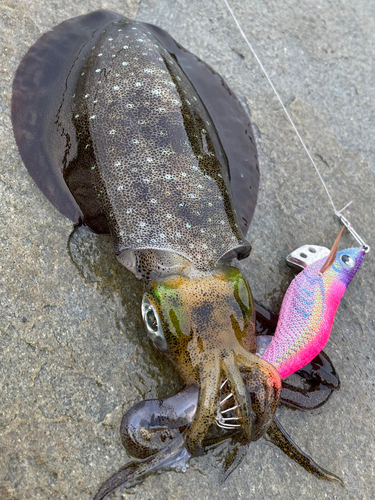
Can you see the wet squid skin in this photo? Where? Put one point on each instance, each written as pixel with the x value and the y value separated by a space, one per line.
pixel 127 133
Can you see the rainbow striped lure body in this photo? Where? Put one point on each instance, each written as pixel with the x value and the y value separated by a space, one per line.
pixel 308 310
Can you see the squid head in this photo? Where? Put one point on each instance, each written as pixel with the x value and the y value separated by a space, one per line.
pixel 204 323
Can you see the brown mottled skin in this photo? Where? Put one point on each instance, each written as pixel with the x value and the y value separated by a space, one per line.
pixel 208 323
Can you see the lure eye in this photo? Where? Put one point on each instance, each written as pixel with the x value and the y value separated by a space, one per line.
pixel 348 261
pixel 153 324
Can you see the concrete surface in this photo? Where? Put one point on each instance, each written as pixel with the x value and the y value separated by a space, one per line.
pixel 73 353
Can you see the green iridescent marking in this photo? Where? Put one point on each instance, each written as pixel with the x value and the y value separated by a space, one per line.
pixel 175 321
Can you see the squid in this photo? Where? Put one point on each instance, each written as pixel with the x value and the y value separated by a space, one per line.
pixel 129 134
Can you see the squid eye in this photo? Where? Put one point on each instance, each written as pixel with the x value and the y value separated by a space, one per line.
pixel 348 261
pixel 153 324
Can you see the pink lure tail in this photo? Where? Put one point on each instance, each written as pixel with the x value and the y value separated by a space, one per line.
pixel 308 311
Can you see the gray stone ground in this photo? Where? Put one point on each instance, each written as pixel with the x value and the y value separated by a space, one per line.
pixel 73 353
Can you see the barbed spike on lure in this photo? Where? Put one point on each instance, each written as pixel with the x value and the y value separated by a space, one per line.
pixel 332 254
pixel 338 213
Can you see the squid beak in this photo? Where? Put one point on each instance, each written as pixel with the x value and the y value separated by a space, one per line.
pixel 332 254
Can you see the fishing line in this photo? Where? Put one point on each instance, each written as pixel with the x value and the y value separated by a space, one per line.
pixel 337 212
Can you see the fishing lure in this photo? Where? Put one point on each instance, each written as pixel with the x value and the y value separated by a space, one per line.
pixel 309 307
pixel 129 134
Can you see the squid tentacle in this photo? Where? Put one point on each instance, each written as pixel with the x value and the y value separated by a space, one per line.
pixel 258 373
pixel 173 415
pixel 304 400
pixel 206 410
pixel 148 426
pixel 235 454
pixel 279 437
pixel 136 471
